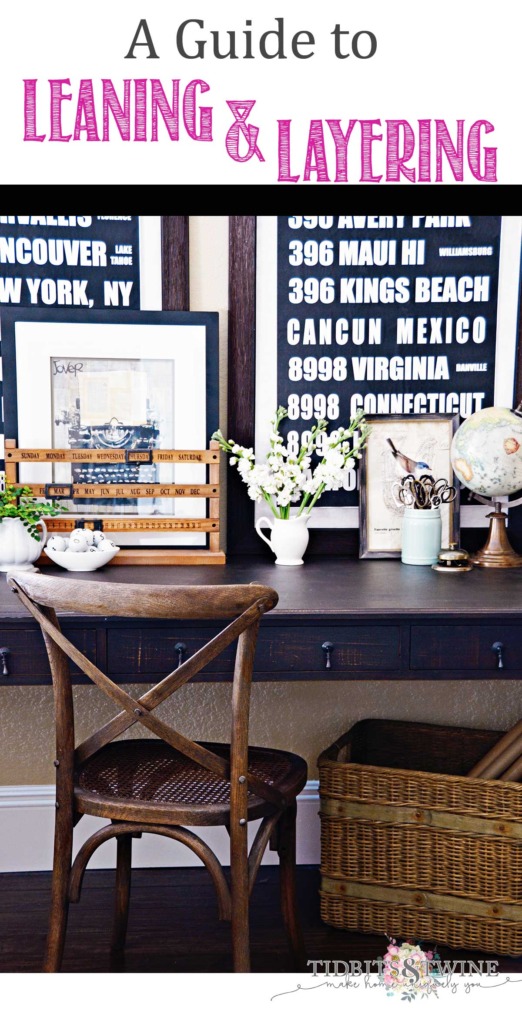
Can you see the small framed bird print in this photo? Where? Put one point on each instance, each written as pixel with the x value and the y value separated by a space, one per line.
pixel 406 464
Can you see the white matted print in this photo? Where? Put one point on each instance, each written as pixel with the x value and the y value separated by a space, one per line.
pixel 115 385
pixel 395 445
pixel 113 403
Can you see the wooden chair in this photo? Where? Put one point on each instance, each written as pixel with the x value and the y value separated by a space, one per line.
pixel 162 785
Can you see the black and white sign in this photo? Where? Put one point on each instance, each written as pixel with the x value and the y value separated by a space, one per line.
pixel 77 262
pixel 399 315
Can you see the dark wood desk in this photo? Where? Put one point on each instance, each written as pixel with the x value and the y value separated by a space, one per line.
pixel 384 620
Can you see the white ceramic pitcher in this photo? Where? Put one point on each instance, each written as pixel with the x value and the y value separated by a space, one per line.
pixel 289 538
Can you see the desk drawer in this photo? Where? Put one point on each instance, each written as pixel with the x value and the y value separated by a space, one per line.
pixel 148 653
pixel 26 659
pixel 282 652
pixel 466 647
pixel 298 652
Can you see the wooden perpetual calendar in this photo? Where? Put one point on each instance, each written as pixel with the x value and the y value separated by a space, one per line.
pixel 211 555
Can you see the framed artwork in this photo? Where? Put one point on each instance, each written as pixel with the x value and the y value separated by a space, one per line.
pixel 398 446
pixel 255 334
pixel 136 380
pixel 163 267
pixel 98 262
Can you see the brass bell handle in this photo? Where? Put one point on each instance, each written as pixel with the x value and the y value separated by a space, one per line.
pixel 181 650
pixel 327 648
pixel 498 648
pixel 4 651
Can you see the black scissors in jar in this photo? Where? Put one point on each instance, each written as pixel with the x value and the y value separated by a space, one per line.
pixel 411 492
pixel 423 493
pixel 439 492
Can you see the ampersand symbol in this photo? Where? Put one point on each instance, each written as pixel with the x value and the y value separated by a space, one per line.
pixel 241 109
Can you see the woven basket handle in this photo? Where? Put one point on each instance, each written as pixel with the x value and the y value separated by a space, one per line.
pixel 504 760
pixel 332 753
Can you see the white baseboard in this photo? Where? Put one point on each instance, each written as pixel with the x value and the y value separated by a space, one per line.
pixel 27 823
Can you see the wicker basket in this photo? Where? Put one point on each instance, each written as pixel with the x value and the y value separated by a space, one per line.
pixel 412 849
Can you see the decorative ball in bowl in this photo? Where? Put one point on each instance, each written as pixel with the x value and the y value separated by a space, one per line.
pixel 80 552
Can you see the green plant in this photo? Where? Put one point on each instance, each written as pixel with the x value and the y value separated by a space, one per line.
pixel 18 503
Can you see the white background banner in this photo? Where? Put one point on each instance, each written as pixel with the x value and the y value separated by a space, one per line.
pixel 372 91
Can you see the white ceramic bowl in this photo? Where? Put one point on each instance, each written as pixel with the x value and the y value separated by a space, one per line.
pixel 81 561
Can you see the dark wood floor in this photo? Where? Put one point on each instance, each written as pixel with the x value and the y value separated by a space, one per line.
pixel 173 926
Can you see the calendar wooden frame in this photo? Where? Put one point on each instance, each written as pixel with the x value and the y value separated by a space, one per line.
pixel 15 456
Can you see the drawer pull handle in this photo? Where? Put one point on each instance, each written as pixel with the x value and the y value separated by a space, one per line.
pixel 498 648
pixel 4 651
pixel 327 648
pixel 181 651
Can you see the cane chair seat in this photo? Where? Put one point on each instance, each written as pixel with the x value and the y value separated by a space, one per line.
pixel 125 778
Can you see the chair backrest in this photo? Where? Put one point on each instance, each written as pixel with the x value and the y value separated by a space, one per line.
pixel 44 596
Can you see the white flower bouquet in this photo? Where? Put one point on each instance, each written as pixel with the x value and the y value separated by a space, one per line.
pixel 284 480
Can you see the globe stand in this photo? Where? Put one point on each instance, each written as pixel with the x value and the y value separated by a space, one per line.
pixel 497 552
pixel 496 432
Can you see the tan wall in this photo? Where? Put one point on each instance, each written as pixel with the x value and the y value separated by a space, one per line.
pixel 305 717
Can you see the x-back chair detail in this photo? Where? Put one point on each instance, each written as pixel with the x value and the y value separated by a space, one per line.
pixel 164 784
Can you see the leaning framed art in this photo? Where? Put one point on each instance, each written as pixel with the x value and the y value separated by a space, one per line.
pixel 397 315
pixel 123 382
pixel 398 446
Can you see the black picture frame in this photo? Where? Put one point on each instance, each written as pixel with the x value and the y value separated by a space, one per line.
pixel 242 539
pixel 10 317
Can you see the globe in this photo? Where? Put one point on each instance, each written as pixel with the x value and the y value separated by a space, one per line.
pixel 486 453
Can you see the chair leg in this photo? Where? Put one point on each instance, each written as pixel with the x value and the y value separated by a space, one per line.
pixel 286 847
pixel 59 892
pixel 122 892
pixel 240 899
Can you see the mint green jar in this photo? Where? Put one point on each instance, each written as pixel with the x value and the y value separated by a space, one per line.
pixel 421 536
